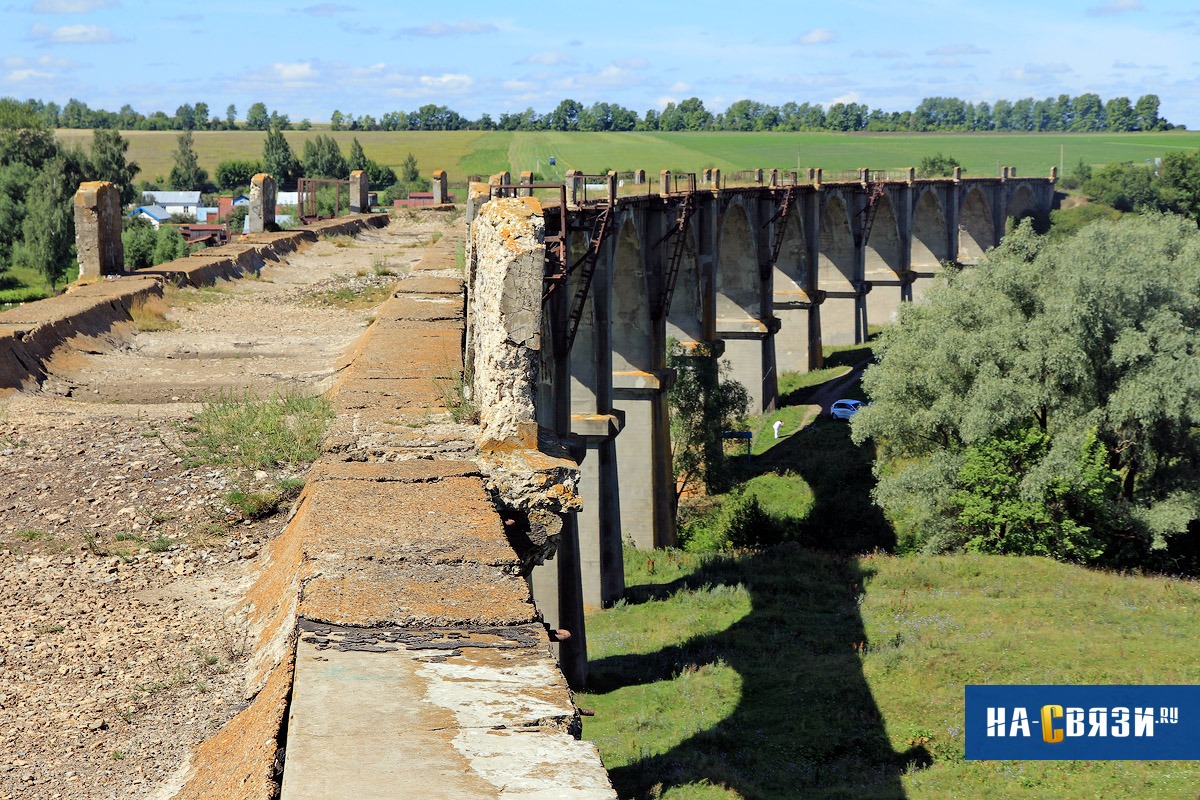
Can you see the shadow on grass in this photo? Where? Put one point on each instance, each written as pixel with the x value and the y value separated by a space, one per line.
pixel 805 725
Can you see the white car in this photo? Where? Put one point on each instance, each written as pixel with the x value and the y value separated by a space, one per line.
pixel 845 409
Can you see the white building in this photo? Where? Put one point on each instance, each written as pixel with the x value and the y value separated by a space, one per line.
pixel 177 202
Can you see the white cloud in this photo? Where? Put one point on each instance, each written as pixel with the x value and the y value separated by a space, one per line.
pixel 74 34
pixel 817 36
pixel 550 58
pixel 449 82
pixel 1036 74
pixel 847 98
pixel 679 87
pixel 25 75
pixel 300 71
pixel 69 6
pixel 1111 8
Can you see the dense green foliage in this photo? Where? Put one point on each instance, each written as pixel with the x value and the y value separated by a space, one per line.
pixel 1048 401
pixel 1087 112
pixel 187 174
pixel 704 402
pixel 109 163
pixel 937 166
pixel 323 159
pixel 278 159
pixel 236 173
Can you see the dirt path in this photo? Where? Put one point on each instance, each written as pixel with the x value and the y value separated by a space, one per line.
pixel 118 562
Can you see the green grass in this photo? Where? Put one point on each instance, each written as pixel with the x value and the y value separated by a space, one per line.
pixel 463 153
pixel 797 674
pixel 245 433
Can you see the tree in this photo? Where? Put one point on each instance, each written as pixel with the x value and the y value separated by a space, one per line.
pixel 231 117
pixel 937 166
pixel 109 164
pixel 48 229
pixel 704 403
pixel 1145 111
pixel 138 239
pixel 357 158
pixel 323 158
pixel 169 245
pixel 408 170
pixel 187 174
pixel 236 173
pixel 278 159
pixel 1180 182
pixel 1125 187
pixel 257 118
pixel 1047 401
pixel 336 120
pixel 200 113
pixel 185 118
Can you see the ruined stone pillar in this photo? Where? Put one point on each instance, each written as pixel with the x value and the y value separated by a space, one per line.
pixel 1012 172
pixel 574 187
pixel 957 174
pixel 864 175
pixel 1004 173
pixel 526 180
pixel 359 203
pixel 774 178
pixel 664 182
pixel 98 230
pixel 816 177
pixel 715 176
pixel 262 203
pixel 912 174
pixel 1053 175
pixel 639 176
pixel 441 193
pixel 530 474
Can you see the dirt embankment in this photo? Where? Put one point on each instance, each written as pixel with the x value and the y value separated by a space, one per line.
pixel 118 560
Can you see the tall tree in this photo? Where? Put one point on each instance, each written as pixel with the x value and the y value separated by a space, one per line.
pixel 187 174
pixel 323 158
pixel 278 159
pixel 1146 113
pixel 257 118
pixel 109 163
pixel 231 117
pixel 48 229
pixel 1037 404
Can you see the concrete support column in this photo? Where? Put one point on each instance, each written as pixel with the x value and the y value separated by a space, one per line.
pixel 600 556
pixel 526 180
pixel 639 176
pixel 98 230
pixel 262 203
pixel 359 184
pixel 664 182
pixel 441 193
pixel 574 187
pixel 644 460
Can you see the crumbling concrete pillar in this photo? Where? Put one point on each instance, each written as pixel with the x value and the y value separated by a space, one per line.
pixel 664 182
pixel 441 193
pixel 774 178
pixel 574 186
pixel 530 472
pixel 526 180
pixel 912 174
pixel 98 230
pixel 957 174
pixel 815 174
pixel 1054 175
pixel 715 177
pixel 864 175
pixel 758 176
pixel 359 184
pixel 262 203
pixel 639 176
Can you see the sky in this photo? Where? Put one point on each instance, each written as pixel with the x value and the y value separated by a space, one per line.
pixel 306 59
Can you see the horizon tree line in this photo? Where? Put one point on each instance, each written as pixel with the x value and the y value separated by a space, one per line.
pixel 1083 113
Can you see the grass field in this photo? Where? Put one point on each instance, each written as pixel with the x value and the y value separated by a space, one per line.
pixel 794 673
pixel 463 153
pixel 812 671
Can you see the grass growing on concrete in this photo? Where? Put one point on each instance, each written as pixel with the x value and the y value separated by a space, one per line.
pixel 793 673
pixel 150 314
pixel 241 432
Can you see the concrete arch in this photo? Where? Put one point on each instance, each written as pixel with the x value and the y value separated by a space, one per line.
pixel 685 318
pixel 1021 204
pixel 930 242
pixel 835 260
pixel 791 272
pixel 585 369
pixel 883 248
pixel 976 234
pixel 632 331
pixel 883 263
pixel 738 285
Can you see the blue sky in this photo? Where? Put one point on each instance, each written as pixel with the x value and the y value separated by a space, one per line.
pixel 307 58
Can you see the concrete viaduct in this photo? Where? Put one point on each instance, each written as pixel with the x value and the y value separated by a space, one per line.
pixel 392 650
pixel 768 272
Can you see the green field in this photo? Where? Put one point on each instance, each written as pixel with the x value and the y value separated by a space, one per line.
pixel 463 153
pixel 793 673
